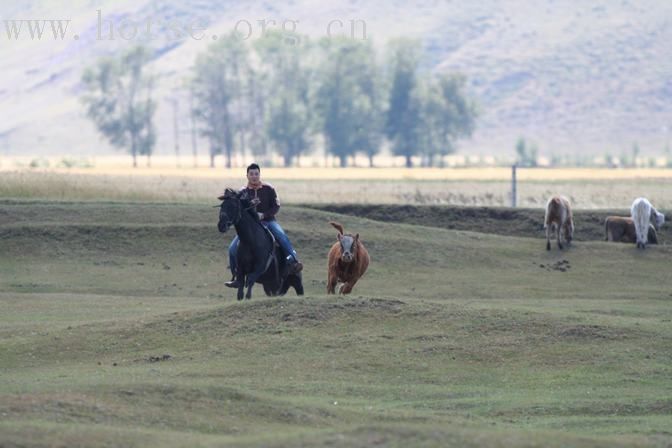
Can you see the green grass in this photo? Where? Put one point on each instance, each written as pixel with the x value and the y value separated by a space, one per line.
pixel 453 338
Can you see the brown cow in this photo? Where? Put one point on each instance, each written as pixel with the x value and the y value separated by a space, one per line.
pixel 622 229
pixel 559 218
pixel 348 261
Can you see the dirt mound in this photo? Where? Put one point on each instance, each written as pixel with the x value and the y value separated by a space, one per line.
pixel 591 332
pixel 274 316
pixel 561 266
pixel 277 315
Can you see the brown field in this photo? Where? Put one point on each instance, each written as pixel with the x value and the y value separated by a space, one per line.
pixel 166 166
pixel 587 188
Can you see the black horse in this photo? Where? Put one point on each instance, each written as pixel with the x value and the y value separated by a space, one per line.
pixel 259 259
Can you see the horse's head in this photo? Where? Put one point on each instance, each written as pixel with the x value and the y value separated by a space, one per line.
pixel 230 211
pixel 660 219
pixel 348 247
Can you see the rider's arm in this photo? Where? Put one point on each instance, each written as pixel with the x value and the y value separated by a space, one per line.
pixel 274 206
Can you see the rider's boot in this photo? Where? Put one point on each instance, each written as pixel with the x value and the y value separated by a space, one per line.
pixel 234 283
pixel 295 266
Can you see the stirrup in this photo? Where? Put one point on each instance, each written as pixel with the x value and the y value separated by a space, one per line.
pixel 233 284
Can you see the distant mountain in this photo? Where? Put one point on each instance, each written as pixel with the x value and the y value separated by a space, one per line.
pixel 572 76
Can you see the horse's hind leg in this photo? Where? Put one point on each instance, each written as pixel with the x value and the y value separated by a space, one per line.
pixel 638 236
pixel 292 281
pixel 298 286
pixel 559 233
pixel 568 234
pixel 548 237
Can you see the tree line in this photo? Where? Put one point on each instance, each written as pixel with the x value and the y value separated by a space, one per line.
pixel 281 94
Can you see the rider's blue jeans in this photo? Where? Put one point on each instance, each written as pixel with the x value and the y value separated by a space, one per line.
pixel 279 234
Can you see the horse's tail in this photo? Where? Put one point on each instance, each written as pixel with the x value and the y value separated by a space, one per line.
pixel 338 226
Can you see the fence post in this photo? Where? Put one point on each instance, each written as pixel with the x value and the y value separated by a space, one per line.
pixel 514 193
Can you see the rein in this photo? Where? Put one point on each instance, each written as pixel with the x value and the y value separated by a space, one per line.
pixel 239 209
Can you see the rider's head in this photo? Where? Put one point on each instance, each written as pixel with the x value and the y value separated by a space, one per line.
pixel 253 174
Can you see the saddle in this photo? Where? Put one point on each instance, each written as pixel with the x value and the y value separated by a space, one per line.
pixel 270 234
pixel 276 246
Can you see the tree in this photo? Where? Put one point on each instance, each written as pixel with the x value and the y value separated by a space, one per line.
pixel 534 154
pixel 457 113
pixel 527 156
pixel 404 115
pixel 287 77
pixel 635 153
pixel 258 112
pixel 446 114
pixel 220 100
pixel 427 114
pixel 349 99
pixel 118 99
pixel 521 152
pixel 370 104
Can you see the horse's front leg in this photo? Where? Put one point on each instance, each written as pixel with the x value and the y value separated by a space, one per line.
pixel 252 279
pixel 331 283
pixel 249 291
pixel 347 287
pixel 241 288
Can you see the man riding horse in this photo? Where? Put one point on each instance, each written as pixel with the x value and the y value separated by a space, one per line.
pixel 265 200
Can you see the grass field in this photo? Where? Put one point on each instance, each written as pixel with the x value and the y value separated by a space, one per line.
pixel 116 331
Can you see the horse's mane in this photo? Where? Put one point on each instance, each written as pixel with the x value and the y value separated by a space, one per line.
pixel 228 193
pixel 251 212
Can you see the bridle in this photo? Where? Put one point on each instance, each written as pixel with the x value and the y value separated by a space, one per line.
pixel 239 210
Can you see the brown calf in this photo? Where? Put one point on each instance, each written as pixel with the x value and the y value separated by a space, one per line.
pixel 622 229
pixel 348 261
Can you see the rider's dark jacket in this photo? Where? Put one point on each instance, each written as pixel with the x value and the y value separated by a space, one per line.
pixel 269 205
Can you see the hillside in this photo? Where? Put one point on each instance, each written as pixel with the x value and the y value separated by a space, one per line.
pixel 116 331
pixel 575 78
